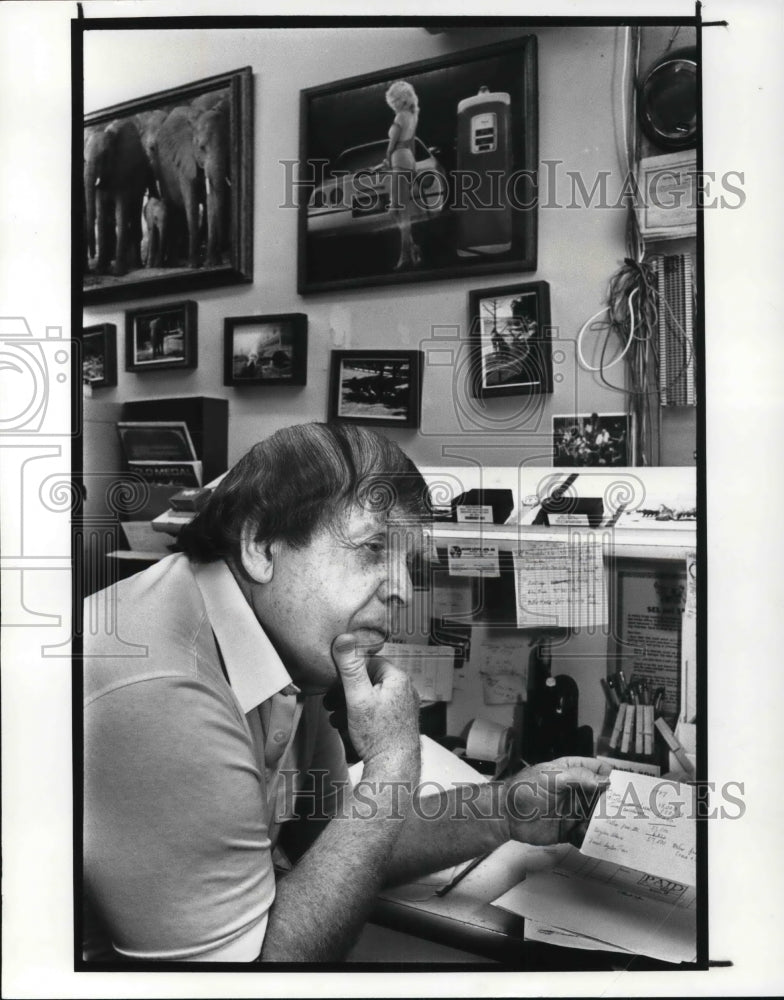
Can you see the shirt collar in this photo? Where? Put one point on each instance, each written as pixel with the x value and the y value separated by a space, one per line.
pixel 255 670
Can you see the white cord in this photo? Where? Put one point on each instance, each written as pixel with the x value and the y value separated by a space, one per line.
pixel 622 355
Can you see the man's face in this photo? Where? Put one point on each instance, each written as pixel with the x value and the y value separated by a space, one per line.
pixel 351 577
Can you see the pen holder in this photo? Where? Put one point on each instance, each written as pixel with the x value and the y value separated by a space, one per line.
pixel 629 735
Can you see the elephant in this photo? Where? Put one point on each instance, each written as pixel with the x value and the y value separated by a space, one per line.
pixel 155 216
pixel 157 336
pixel 116 177
pixel 191 155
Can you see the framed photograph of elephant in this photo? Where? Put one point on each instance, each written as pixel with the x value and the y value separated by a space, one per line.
pixel 163 336
pixel 421 172
pixel 168 191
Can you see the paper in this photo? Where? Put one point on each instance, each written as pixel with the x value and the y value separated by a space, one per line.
pixel 561 583
pixel 689 643
pixel 473 560
pixel 534 931
pixel 610 903
pixel 648 824
pixel 652 605
pixel 503 689
pixel 580 520
pixel 452 598
pixel 496 656
pixel 474 512
pixel 431 668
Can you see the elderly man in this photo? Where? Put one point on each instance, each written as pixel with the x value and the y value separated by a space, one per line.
pixel 207 743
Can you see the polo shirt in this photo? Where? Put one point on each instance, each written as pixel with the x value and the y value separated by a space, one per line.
pixel 196 747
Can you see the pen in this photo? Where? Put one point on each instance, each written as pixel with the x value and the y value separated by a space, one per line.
pixel 461 875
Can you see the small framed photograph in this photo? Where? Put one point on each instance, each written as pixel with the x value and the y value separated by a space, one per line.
pixel 376 387
pixel 99 355
pixel 591 439
pixel 265 350
pixel 162 336
pixel 511 348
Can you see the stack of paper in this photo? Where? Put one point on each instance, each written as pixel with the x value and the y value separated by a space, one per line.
pixel 631 885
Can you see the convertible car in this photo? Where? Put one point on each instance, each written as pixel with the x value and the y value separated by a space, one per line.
pixel 356 198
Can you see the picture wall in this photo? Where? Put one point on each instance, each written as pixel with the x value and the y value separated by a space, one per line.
pixel 318 240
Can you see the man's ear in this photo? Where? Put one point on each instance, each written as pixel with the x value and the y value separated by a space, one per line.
pixel 258 557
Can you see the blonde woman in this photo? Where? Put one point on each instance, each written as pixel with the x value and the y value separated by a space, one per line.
pixel 400 160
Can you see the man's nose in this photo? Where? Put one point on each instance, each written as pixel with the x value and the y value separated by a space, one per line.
pixel 397 586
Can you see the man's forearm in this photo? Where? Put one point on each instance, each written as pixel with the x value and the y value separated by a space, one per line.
pixel 321 905
pixel 452 826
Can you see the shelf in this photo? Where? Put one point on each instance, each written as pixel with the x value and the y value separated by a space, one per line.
pixel 658 542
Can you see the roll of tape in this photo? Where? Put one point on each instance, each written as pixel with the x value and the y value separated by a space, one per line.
pixel 488 741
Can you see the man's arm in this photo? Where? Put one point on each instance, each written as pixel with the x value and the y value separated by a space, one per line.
pixel 545 804
pixel 320 906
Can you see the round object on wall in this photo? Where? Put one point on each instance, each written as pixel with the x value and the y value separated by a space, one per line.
pixel 667 103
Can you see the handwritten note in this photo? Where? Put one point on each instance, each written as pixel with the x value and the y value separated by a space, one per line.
pixel 503 689
pixel 503 668
pixel 647 824
pixel 561 583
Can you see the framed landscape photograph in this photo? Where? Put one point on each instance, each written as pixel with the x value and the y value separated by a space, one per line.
pixel 168 191
pixel 455 194
pixel 265 350
pixel 383 388
pixel 99 355
pixel 591 439
pixel 511 346
pixel 161 337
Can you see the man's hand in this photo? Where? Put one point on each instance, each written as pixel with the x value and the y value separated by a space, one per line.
pixel 381 706
pixel 551 802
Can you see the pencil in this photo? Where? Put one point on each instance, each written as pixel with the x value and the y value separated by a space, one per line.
pixel 461 875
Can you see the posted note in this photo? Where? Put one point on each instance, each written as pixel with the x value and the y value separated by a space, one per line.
pixel 647 824
pixel 561 583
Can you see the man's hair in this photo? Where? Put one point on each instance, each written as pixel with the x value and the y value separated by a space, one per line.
pixel 300 479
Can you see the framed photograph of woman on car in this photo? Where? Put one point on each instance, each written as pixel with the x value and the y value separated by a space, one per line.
pixel 420 172
pixel 511 348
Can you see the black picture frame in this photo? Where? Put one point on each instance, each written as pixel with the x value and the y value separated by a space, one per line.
pixel 134 152
pixel 510 340
pixel 376 388
pixel 348 238
pixel 161 337
pixel 99 355
pixel 265 350
pixel 592 439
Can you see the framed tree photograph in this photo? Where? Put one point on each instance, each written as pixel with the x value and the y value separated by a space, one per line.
pixel 511 348
pixel 168 191
pixel 99 355
pixel 420 172
pixel 382 388
pixel 161 337
pixel 265 350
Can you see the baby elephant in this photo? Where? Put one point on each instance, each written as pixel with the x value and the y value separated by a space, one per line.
pixel 155 218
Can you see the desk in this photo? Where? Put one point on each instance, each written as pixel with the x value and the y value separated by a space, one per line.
pixel 465 929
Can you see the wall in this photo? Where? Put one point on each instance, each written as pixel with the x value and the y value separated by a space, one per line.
pixel 579 249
